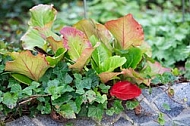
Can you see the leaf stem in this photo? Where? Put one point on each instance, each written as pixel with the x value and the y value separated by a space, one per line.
pixel 85 10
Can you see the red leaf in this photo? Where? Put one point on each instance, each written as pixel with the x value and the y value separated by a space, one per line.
pixel 125 90
pixel 127 31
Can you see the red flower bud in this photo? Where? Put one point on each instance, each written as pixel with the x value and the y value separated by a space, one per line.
pixel 125 90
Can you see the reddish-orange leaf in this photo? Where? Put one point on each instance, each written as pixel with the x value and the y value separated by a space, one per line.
pixel 126 30
pixel 106 76
pixel 125 90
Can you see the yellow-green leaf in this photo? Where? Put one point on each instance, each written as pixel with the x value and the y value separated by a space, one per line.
pixel 27 64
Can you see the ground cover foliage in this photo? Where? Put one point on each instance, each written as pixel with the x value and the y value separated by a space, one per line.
pixel 69 68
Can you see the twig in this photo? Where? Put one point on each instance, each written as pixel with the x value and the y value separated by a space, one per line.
pixel 23 101
pixel 85 10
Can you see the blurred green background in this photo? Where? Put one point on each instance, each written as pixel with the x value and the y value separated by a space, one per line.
pixel 166 23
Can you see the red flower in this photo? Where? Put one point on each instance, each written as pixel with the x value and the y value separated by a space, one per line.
pixel 125 90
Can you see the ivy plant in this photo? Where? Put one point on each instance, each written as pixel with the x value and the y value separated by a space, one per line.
pixel 87 69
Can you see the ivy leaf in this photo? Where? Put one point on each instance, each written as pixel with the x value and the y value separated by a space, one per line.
pixel 66 111
pixel 100 98
pixel 82 83
pixel 78 101
pixel 89 96
pixel 110 111
pixel 65 98
pixel 90 28
pixel 93 76
pixel 96 112
pixel 187 67
pixel 104 88
pixel 56 90
pixel 10 99
pixel 132 104
pixel 14 85
pixel 28 90
pixel 118 107
pixel 44 108
pixel 133 56
pixel 27 64
pixel 127 31
pixel 111 63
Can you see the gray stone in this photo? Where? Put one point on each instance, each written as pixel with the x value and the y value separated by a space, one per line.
pixel 22 121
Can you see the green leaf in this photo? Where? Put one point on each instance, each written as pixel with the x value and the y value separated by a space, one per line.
pixel 75 41
pixel 55 59
pixel 166 106
pixel 61 70
pixel 67 111
pixel 93 76
pixel 133 56
pixel 160 119
pixel 96 112
pixel 110 111
pixel 10 99
pixel 111 63
pixel 83 59
pixel 42 16
pixel 187 67
pixel 29 90
pixel 44 108
pixel 82 83
pixel 1 98
pixel 21 78
pixel 31 39
pixel 78 102
pixel 118 107
pixel 100 98
pixel 104 88
pixel 100 54
pixel 56 90
pixel 89 96
pixel 2 67
pixel 65 98
pixel 132 104
pixel 15 87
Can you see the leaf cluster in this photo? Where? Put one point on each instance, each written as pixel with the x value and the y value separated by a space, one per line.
pixel 70 73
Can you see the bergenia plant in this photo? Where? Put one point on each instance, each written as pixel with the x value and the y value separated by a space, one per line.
pixel 116 51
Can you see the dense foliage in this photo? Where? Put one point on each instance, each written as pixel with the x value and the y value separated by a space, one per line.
pixel 74 72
